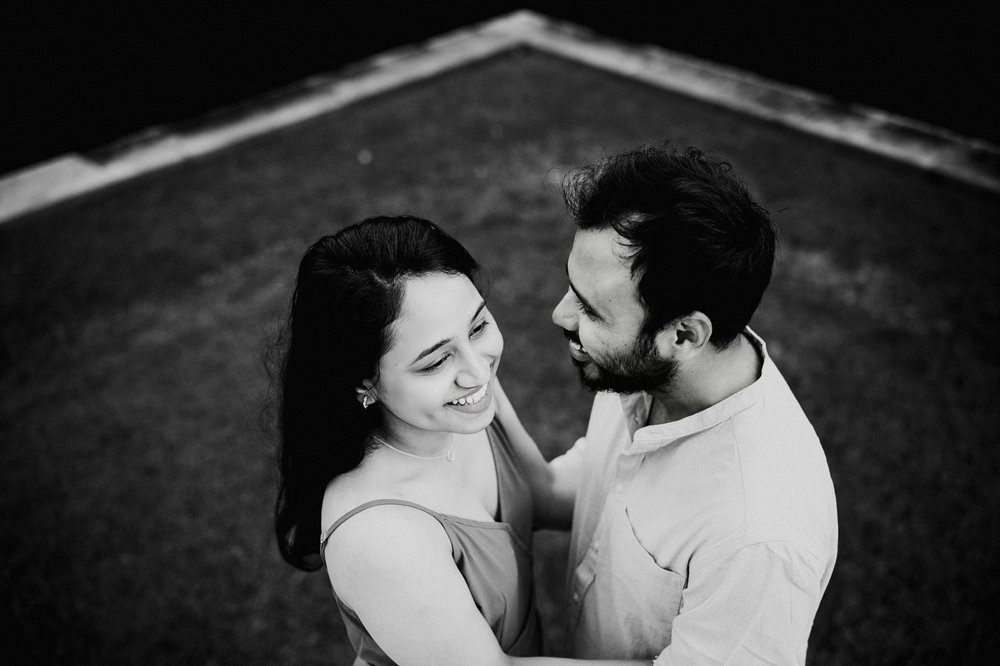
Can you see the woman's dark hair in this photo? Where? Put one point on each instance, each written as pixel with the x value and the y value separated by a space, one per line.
pixel 697 238
pixel 348 292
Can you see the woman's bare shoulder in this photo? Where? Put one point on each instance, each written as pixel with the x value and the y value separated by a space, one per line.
pixel 381 541
pixel 378 499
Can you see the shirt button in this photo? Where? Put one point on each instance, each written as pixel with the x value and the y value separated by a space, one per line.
pixel 619 487
pixel 596 546
pixel 576 597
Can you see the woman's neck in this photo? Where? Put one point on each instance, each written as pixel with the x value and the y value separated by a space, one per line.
pixel 414 441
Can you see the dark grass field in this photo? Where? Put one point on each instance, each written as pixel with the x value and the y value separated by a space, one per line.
pixel 136 482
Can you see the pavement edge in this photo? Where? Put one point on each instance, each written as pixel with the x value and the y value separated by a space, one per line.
pixel 971 161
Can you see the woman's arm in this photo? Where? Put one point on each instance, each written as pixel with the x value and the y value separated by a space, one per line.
pixel 393 566
pixel 553 486
pixel 558 661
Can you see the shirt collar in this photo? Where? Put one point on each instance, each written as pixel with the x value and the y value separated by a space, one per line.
pixel 649 438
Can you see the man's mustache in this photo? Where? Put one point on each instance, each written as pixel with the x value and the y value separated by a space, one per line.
pixel 571 336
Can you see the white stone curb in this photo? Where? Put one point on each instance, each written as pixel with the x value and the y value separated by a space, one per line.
pixel 899 138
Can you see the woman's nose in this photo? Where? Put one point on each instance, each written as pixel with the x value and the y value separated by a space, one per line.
pixel 476 370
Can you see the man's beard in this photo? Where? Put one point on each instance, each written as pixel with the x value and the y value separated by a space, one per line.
pixel 629 371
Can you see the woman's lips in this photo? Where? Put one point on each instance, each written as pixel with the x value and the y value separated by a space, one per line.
pixel 475 402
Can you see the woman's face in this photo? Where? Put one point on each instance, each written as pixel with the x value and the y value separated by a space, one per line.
pixel 436 375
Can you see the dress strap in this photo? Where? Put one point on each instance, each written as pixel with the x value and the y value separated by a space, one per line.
pixel 367 505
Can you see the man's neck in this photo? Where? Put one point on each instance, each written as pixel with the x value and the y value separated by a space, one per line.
pixel 707 381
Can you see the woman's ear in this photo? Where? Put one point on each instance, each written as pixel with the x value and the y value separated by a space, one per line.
pixel 366 394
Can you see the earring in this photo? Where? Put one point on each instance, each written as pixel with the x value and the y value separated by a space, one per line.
pixel 365 401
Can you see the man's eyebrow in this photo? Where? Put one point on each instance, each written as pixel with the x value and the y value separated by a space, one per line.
pixel 437 345
pixel 580 298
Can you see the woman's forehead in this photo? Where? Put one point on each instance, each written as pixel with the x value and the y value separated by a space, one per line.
pixel 438 293
pixel 435 307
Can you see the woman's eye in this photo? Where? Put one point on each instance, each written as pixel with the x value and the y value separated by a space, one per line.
pixel 434 366
pixel 480 327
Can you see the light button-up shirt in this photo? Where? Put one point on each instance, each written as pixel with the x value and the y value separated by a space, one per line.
pixel 705 540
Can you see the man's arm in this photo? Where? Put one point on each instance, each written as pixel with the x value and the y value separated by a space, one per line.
pixel 753 606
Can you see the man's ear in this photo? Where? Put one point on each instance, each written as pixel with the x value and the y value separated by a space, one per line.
pixel 684 337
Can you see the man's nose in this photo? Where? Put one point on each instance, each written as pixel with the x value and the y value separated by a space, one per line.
pixel 564 315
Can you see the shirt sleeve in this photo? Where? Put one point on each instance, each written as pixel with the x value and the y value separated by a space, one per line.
pixel 753 606
pixel 572 459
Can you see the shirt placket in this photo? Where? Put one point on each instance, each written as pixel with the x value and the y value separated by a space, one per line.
pixel 586 573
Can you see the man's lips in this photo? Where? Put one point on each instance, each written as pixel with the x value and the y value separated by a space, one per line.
pixel 576 349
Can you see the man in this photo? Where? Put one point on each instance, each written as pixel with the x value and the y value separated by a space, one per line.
pixel 704 524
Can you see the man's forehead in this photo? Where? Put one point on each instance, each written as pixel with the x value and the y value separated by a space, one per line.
pixel 599 270
pixel 601 250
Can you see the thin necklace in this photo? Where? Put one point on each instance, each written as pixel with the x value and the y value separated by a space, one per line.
pixel 448 455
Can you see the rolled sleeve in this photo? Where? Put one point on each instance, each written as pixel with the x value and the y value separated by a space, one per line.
pixel 753 606
pixel 572 459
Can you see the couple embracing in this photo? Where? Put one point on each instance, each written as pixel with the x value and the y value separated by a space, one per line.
pixel 703 516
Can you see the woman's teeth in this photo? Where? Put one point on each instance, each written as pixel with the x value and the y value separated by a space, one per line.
pixel 471 399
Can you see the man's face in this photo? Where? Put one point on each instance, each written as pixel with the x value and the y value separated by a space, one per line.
pixel 602 317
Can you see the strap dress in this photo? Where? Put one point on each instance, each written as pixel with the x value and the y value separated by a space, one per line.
pixel 494 558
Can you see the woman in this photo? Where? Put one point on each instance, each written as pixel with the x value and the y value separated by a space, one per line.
pixel 394 473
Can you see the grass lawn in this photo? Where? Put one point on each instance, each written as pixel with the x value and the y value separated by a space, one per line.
pixel 136 483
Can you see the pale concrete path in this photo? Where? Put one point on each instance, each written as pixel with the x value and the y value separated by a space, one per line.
pixel 968 160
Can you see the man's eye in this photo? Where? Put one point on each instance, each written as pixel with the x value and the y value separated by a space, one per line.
pixel 584 309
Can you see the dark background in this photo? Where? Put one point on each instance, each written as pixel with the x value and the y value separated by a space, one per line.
pixel 78 77
pixel 133 474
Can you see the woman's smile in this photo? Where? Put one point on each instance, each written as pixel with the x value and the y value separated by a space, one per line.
pixel 474 403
